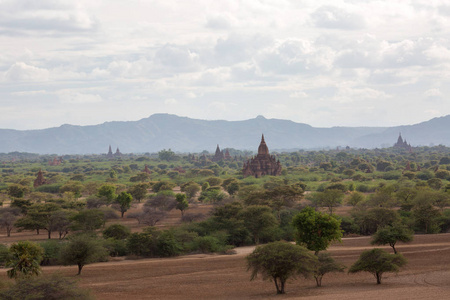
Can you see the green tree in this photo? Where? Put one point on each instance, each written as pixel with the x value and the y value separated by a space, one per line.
pixel 167 155
pixel 89 220
pixel 316 230
pixel 279 261
pixel 355 198
pixel 17 190
pixel 82 250
pixel 182 203
pixel 391 235
pixel 40 216
pixel 258 219
pixel 24 259
pixel 124 200
pixel 191 189
pixel 326 264
pixel 377 262
pixel 139 191
pixel 107 192
pixel 117 231
pixel 329 198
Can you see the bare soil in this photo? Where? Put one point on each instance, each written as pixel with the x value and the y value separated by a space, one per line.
pixel 426 276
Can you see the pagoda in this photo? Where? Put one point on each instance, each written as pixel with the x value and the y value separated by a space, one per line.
pixel 402 144
pixel 218 156
pixel 263 163
pixel 40 180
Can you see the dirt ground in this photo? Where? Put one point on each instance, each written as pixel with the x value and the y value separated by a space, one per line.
pixel 426 276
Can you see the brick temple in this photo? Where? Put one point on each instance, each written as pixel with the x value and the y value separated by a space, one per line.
pixel 263 163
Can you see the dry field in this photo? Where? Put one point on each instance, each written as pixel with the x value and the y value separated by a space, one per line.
pixel 427 276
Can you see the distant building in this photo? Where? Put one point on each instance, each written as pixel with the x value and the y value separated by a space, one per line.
pixel 402 144
pixel 218 156
pixel 40 180
pixel 55 162
pixel 110 154
pixel 262 164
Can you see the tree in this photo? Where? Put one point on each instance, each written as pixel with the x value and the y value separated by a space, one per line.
pixel 191 189
pixel 24 259
pixel 53 287
pixel 108 192
pixel 117 231
pixel 316 230
pixel 139 191
pixel 329 198
pixel 17 190
pixel 167 155
pixel 89 220
pixel 124 200
pixel 182 203
pixel 82 250
pixel 40 216
pixel 279 261
pixel 377 262
pixel 8 216
pixel 391 235
pixel 326 264
pixel 258 219
pixel 355 198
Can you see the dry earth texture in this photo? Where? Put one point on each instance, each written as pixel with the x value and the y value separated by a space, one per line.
pixel 427 276
pixel 201 276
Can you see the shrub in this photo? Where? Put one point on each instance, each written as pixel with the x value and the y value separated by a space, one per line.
pixel 54 287
pixel 117 231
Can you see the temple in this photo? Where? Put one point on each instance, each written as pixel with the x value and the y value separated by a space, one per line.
pixel 402 144
pixel 40 180
pixel 262 164
pixel 218 156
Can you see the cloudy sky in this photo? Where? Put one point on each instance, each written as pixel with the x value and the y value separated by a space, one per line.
pixel 324 63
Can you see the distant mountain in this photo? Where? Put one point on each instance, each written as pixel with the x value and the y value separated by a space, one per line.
pixel 164 131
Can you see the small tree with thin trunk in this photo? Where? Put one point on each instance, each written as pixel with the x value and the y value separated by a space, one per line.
pixel 279 261
pixel 377 262
pixel 82 250
pixel 124 200
pixel 182 203
pixel 326 264
pixel 391 235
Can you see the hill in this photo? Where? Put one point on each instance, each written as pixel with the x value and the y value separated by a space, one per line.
pixel 182 134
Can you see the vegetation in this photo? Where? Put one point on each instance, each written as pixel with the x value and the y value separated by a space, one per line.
pixel 316 230
pixel 279 261
pixel 377 262
pixel 319 197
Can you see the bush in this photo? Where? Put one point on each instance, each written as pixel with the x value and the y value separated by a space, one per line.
pixel 167 245
pixel 142 244
pixel 206 244
pixel 116 247
pixel 117 231
pixel 3 254
pixel 54 287
pixel 52 250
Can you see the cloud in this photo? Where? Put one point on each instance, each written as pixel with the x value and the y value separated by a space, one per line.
pixel 79 98
pixel 177 57
pixel 337 18
pixel 20 71
pixel 45 15
pixel 171 101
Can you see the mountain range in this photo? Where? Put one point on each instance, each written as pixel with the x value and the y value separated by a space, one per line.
pixel 182 134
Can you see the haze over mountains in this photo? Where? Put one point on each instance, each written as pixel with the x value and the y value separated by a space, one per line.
pixel 182 134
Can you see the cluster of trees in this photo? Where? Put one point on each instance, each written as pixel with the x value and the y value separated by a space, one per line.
pixel 279 261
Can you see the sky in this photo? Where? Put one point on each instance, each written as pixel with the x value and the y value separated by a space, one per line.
pixel 323 63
